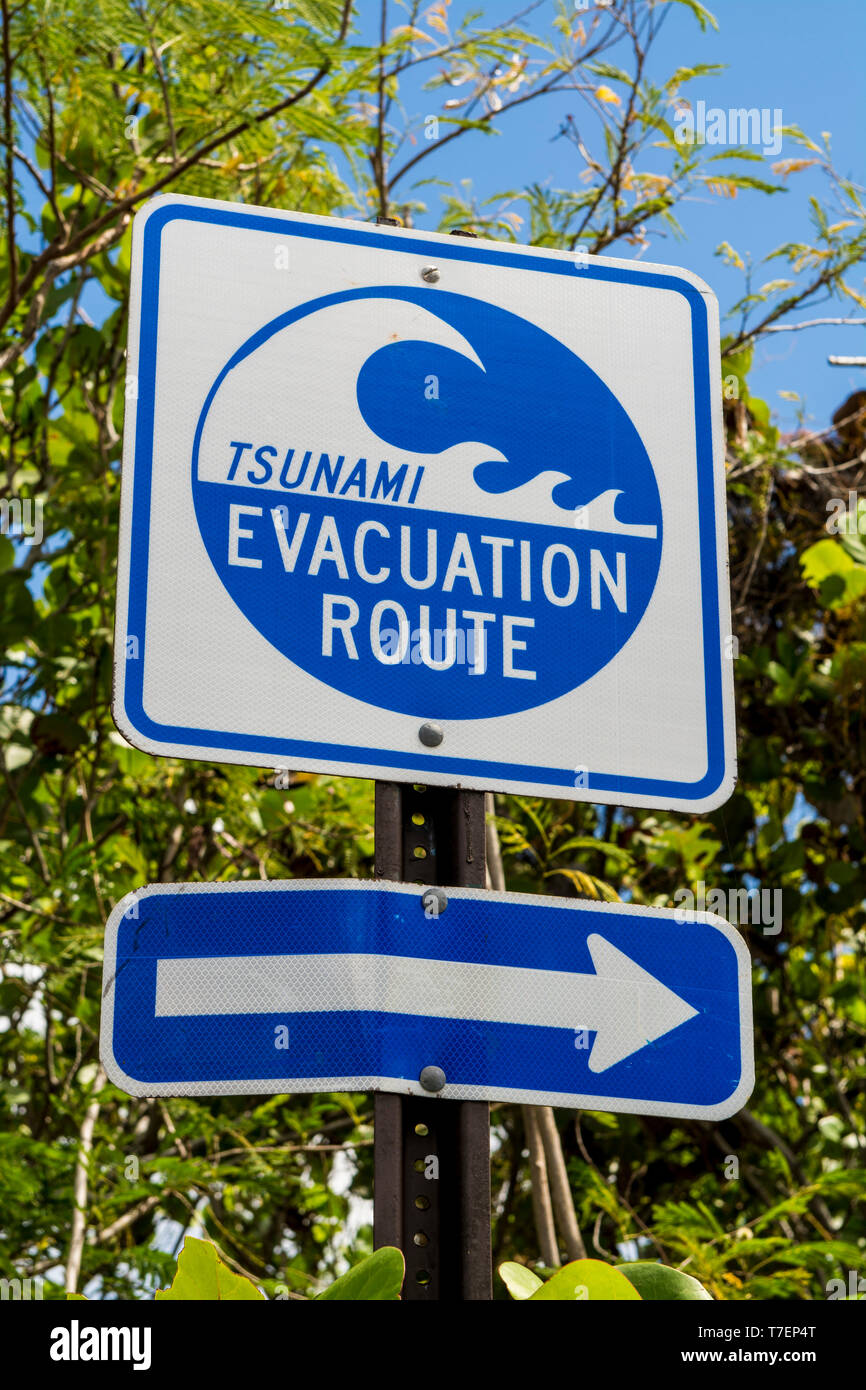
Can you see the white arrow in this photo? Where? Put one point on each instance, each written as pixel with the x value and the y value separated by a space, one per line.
pixel 621 1003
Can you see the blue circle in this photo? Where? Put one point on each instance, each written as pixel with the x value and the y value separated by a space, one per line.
pixel 559 601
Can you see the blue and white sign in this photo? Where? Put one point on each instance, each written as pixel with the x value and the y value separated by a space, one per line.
pixel 376 479
pixel 336 985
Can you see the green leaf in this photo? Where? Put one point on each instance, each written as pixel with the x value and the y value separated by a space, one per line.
pixel 655 1281
pixel 737 152
pixel 828 567
pixel 832 1127
pixel 681 75
pixel 587 885
pixel 587 1279
pixel 610 851
pixel 853 538
pixel 520 1282
pixel 700 12
pixel 378 1278
pixel 761 411
pixel 202 1275
pixel 738 363
pixel 608 70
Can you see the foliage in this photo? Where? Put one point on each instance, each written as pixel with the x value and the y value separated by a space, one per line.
pixel 657 1282
pixel 378 1278
pixel 112 101
pixel 580 1280
pixel 594 1279
pixel 202 1274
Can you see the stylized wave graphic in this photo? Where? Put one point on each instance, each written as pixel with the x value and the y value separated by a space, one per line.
pixel 533 401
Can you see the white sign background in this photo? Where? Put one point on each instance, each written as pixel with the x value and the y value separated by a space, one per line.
pixel 644 718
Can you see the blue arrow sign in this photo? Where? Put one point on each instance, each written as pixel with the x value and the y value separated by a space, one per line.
pixel 212 989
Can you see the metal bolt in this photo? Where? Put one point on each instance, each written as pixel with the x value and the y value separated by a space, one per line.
pixel 434 901
pixel 432 1078
pixel 430 273
pixel 431 735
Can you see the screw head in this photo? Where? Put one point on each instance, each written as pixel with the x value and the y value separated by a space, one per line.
pixel 432 1078
pixel 430 273
pixel 431 735
pixel 434 901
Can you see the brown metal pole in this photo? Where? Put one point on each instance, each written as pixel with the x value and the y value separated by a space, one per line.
pixel 437 836
pixel 388 1109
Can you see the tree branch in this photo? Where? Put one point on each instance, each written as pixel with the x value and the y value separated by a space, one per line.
pixel 810 323
pixel 541 1205
pixel 79 1186
pixel 563 1205
pixel 10 155
pixel 69 249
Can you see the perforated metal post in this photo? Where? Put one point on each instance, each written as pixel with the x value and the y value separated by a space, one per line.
pixel 432 1157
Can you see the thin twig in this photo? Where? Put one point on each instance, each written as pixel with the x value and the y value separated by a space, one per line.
pixel 810 323
pixel 563 1204
pixel 541 1205
pixel 160 72
pixel 79 1186
pixel 10 155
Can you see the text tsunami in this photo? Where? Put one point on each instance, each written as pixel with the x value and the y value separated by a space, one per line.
pixel 333 476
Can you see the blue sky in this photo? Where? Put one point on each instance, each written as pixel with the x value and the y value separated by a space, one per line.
pixel 803 58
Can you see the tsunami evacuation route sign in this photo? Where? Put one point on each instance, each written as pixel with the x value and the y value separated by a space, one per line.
pixel 408 506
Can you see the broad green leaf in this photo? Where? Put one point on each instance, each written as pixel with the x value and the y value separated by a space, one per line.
pixel 202 1275
pixel 378 1278
pixel 587 1279
pixel 520 1282
pixel 739 361
pixel 827 566
pixel 657 1281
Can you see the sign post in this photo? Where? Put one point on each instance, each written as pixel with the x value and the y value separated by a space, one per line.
pixel 432 1160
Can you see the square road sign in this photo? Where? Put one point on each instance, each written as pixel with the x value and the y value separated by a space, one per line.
pixel 419 507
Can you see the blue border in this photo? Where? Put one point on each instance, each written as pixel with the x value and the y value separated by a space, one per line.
pixel 283 223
